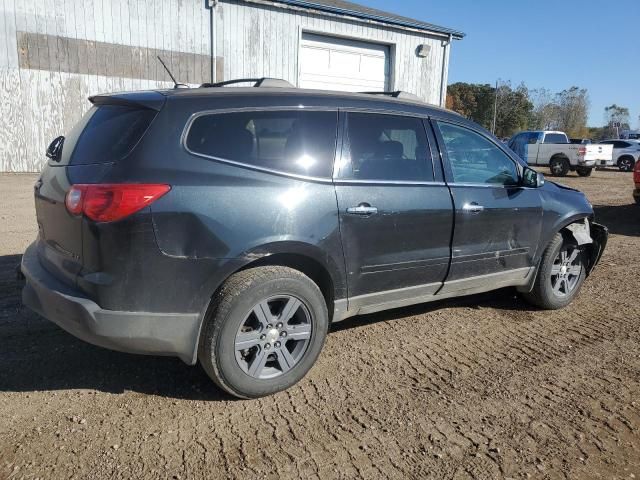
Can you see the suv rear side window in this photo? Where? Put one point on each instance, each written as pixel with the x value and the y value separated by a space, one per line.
pixel 474 159
pixel 301 143
pixel 109 133
pixel 387 147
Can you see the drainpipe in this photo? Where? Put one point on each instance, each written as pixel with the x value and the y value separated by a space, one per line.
pixel 445 68
pixel 211 5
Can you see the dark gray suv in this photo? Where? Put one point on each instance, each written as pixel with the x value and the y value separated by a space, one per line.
pixel 234 224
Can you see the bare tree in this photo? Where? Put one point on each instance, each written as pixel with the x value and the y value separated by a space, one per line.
pixel 573 106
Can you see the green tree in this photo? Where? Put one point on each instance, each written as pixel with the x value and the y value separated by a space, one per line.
pixel 476 102
pixel 473 101
pixel 514 109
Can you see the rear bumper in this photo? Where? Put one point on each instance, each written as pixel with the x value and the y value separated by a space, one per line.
pixel 605 163
pixel 174 334
pixel 586 163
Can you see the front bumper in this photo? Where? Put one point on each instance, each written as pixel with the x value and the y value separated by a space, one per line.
pixel 174 334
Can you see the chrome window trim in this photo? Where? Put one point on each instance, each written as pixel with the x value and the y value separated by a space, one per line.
pixel 194 116
pixel 484 185
pixel 389 182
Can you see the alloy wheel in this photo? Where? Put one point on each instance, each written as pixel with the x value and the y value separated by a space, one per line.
pixel 556 168
pixel 566 270
pixel 625 164
pixel 273 337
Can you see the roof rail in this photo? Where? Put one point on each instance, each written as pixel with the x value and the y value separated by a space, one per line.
pixel 265 82
pixel 398 94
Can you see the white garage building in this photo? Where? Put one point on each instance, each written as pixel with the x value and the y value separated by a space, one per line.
pixel 54 54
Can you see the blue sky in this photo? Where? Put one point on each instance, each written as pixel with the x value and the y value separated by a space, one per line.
pixel 551 44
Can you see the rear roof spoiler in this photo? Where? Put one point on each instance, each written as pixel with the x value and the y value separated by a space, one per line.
pixel 150 100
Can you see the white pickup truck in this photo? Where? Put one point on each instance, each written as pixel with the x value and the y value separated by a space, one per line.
pixel 554 150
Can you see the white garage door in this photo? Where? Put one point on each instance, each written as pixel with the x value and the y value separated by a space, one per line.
pixel 330 63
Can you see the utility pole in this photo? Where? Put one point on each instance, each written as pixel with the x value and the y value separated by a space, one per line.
pixel 495 110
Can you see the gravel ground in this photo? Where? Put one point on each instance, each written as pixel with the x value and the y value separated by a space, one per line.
pixel 481 387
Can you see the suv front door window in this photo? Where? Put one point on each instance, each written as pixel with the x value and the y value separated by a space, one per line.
pixel 474 160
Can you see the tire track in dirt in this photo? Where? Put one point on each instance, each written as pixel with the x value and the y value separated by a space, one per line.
pixel 482 387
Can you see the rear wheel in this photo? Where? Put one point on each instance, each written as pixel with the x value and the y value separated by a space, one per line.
pixel 560 276
pixel 625 164
pixel 584 171
pixel 559 166
pixel 264 332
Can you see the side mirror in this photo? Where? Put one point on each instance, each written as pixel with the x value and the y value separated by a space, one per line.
pixel 531 178
pixel 54 150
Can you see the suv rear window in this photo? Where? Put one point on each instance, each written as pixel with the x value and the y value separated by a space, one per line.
pixel 107 133
pixel 301 143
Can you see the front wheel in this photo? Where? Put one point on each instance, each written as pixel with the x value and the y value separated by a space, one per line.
pixel 560 276
pixel 264 332
pixel 584 171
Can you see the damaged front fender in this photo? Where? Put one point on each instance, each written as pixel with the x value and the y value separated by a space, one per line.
pixel 593 237
pixel 599 236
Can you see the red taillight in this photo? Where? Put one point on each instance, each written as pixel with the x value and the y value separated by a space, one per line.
pixel 636 173
pixel 111 202
pixel 582 151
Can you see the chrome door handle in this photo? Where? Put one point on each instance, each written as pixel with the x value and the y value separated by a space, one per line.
pixel 472 207
pixel 363 209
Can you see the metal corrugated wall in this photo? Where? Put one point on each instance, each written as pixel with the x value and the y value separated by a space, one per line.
pixel 55 53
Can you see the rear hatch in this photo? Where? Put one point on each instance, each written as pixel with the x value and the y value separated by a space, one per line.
pixel 106 134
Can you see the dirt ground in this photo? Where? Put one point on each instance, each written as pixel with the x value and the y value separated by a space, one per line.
pixel 482 387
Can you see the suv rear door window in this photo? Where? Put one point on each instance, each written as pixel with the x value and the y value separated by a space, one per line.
pixel 106 134
pixel 387 147
pixel 474 159
pixel 297 142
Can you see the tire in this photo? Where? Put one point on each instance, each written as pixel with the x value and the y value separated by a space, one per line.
pixel 559 166
pixel 626 164
pixel 543 294
pixel 584 171
pixel 273 305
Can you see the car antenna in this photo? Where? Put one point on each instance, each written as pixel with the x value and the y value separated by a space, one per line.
pixel 175 84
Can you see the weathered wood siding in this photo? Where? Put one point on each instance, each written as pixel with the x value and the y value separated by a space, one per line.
pixel 56 53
